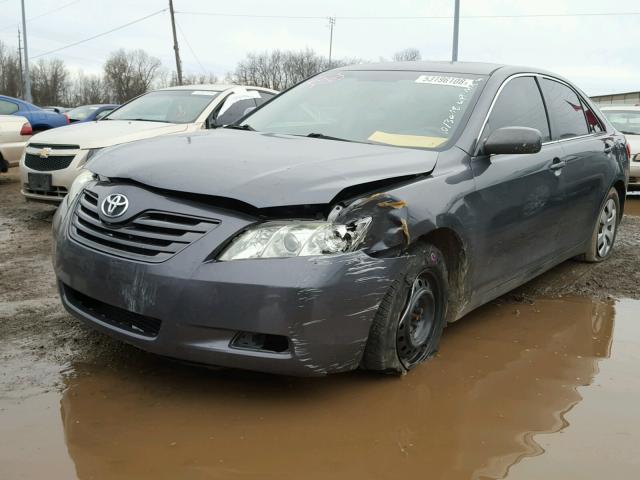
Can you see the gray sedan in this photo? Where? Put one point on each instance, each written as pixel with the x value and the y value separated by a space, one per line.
pixel 344 223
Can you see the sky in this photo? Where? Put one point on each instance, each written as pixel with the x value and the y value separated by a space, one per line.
pixel 600 53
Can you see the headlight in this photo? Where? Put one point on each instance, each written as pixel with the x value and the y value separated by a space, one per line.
pixel 297 239
pixel 81 181
pixel 636 157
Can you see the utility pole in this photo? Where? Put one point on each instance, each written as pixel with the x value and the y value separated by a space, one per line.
pixel 20 59
pixel 332 22
pixel 456 22
pixel 175 43
pixel 27 78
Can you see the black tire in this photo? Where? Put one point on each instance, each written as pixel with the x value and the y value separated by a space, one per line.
pixel 595 252
pixel 4 165
pixel 420 293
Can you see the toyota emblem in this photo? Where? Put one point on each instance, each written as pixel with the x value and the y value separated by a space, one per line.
pixel 115 205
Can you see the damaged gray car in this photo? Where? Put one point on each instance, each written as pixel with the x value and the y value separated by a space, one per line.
pixel 344 223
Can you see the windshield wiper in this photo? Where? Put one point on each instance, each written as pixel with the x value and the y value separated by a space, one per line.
pixel 140 120
pixel 326 137
pixel 245 126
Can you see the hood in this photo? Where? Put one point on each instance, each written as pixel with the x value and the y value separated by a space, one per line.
pixel 261 169
pixel 106 133
pixel 634 143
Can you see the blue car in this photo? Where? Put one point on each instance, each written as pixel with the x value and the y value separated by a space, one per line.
pixel 90 113
pixel 38 118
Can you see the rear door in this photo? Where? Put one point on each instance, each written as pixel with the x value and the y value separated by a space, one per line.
pixel 587 159
pixel 518 197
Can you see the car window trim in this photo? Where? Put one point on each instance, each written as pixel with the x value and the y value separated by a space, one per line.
pixel 536 77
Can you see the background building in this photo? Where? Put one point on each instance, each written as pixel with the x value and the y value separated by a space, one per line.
pixel 630 98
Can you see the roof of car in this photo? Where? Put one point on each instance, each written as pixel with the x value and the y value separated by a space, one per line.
pixel 205 86
pixel 477 68
pixel 630 108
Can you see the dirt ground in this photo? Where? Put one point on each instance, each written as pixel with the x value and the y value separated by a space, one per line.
pixel 521 388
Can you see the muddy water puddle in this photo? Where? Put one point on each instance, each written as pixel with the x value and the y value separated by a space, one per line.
pixel 632 205
pixel 548 390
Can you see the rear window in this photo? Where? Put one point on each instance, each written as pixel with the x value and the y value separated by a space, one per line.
pixel 565 110
pixel 626 121
pixel 81 113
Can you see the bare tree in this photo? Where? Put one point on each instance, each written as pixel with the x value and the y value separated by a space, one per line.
pixel 10 75
pixel 127 74
pixel 407 55
pixel 280 69
pixel 49 81
pixel 86 89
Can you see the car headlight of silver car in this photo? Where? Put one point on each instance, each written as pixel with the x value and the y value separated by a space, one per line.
pixel 84 177
pixel 297 239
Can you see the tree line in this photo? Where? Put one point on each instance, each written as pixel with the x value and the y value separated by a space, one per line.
pixel 128 73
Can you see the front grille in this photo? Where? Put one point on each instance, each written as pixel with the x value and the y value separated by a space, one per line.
pixel 55 192
pixel 118 317
pixel 151 236
pixel 53 162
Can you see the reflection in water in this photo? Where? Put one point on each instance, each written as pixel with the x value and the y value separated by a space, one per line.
pixel 632 205
pixel 504 374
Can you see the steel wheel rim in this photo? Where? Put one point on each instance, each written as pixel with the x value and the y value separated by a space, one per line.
pixel 417 322
pixel 607 223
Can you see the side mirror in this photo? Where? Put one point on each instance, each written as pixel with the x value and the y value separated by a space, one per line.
pixel 513 140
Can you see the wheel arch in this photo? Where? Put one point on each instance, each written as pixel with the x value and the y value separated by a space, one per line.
pixel 456 255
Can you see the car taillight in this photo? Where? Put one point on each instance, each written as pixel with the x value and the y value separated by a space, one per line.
pixel 67 117
pixel 628 150
pixel 26 129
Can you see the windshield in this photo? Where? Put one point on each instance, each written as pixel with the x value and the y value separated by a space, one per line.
pixel 81 113
pixel 171 106
pixel 409 109
pixel 627 121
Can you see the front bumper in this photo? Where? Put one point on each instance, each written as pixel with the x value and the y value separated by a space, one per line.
pixel 634 174
pixel 61 179
pixel 323 305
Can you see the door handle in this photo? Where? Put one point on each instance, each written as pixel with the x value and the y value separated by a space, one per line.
pixel 557 164
pixel 608 148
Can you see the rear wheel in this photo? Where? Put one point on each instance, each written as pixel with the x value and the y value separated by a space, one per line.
pixel 408 325
pixel 605 229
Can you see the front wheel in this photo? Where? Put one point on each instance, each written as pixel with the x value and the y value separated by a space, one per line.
pixel 605 229
pixel 409 322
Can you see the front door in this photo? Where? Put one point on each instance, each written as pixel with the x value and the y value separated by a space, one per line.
pixel 518 198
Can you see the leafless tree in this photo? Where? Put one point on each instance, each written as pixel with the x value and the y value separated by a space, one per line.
pixel 127 74
pixel 407 55
pixel 49 81
pixel 280 69
pixel 85 90
pixel 10 77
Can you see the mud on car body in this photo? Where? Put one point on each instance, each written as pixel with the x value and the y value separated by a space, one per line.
pixel 344 223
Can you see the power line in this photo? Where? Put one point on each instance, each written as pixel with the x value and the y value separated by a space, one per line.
pixel 101 34
pixel 413 17
pixel 42 14
pixel 184 37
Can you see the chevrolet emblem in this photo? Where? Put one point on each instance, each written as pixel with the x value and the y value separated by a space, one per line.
pixel 45 152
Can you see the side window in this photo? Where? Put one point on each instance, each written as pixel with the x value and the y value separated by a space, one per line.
pixel 234 107
pixel 103 114
pixel 7 108
pixel 519 105
pixel 264 96
pixel 593 124
pixel 565 110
